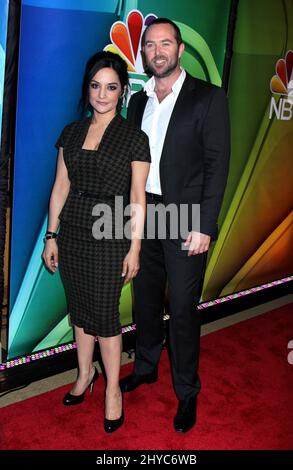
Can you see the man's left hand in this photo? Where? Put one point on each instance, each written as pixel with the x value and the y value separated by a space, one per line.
pixel 197 243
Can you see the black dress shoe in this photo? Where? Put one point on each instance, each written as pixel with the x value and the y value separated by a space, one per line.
pixel 131 382
pixel 111 425
pixel 185 417
pixel 70 400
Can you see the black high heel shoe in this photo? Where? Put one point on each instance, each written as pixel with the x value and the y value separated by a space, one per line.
pixel 70 399
pixel 111 425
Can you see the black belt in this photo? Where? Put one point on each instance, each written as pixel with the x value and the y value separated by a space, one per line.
pixel 80 193
pixel 154 197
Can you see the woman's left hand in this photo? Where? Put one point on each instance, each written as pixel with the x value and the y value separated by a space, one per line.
pixel 130 265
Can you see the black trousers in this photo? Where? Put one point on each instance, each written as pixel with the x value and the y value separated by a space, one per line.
pixel 163 261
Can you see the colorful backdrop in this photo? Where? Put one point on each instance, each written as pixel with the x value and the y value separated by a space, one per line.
pixel 56 39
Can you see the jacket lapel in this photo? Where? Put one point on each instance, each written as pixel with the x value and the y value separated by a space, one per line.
pixel 140 109
pixel 180 105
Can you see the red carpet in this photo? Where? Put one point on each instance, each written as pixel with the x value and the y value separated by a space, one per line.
pixel 245 402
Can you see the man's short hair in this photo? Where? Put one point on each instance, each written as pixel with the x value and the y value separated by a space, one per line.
pixel 177 31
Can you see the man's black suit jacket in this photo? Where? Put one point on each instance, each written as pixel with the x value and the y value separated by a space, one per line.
pixel 195 156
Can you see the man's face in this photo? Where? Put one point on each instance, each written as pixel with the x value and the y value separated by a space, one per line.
pixel 161 50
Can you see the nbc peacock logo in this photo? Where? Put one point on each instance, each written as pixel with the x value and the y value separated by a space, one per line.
pixel 282 85
pixel 126 41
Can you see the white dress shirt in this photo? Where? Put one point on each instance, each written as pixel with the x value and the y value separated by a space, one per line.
pixel 155 123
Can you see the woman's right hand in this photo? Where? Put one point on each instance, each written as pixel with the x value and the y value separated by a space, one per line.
pixel 50 254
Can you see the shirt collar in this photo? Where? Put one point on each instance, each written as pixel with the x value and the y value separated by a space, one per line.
pixel 149 86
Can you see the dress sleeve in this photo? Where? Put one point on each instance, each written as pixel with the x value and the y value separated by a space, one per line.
pixel 141 148
pixel 62 138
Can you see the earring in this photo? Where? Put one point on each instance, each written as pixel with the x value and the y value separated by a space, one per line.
pixel 122 99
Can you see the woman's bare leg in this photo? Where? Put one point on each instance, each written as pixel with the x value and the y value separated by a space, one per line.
pixel 111 349
pixel 85 350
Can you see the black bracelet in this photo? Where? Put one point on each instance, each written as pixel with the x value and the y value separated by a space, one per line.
pixel 49 235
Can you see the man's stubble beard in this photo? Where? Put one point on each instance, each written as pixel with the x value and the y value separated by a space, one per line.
pixel 166 73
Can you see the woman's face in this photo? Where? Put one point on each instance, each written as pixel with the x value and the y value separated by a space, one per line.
pixel 104 91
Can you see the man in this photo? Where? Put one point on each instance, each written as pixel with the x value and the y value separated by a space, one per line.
pixel 187 122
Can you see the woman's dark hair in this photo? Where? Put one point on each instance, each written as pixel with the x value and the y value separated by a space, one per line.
pixel 99 61
pixel 177 31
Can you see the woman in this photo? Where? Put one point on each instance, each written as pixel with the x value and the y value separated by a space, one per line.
pixel 99 158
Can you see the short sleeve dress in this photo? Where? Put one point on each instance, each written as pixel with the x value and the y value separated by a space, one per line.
pixel 90 264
